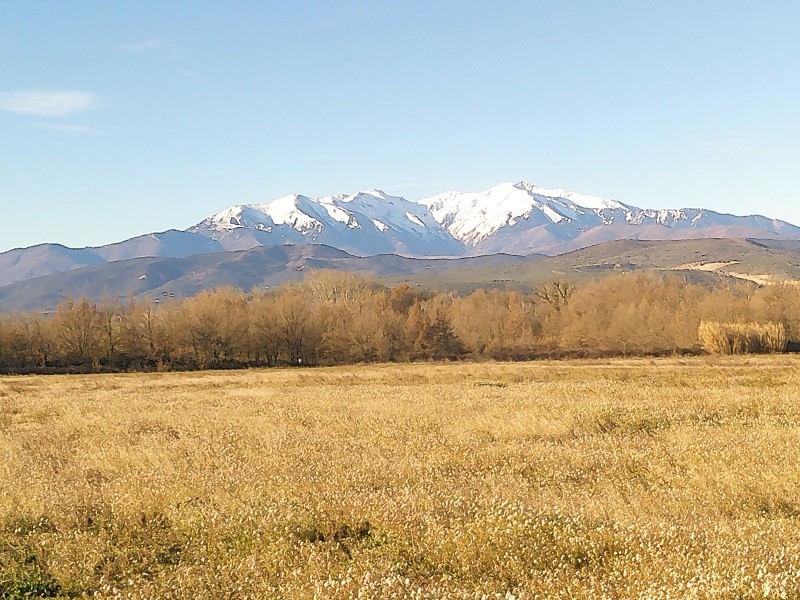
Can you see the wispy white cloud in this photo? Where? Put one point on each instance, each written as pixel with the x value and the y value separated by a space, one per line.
pixel 68 128
pixel 44 103
pixel 141 45
pixel 729 146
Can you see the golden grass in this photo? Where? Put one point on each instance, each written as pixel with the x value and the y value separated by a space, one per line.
pixel 619 479
pixel 742 338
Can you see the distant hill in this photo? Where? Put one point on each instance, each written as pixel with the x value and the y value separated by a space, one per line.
pixel 45 259
pixel 258 268
pixel 509 218
pixel 712 260
pixel 708 260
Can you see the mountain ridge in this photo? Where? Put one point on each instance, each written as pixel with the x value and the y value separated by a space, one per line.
pixel 256 268
pixel 759 262
pixel 516 218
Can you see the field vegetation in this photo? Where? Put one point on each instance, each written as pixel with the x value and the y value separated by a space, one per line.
pixel 637 478
pixel 335 318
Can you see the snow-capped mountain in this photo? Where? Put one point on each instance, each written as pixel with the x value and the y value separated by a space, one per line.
pixel 474 216
pixel 515 218
pixel 522 218
pixel 366 223
pixel 518 218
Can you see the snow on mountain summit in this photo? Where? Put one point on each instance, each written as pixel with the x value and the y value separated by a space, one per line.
pixel 517 218
pixel 367 222
pixel 474 216
pixel 510 217
pixel 582 200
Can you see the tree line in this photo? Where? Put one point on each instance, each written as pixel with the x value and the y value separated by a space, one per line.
pixel 335 318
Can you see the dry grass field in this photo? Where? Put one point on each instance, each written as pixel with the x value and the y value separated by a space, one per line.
pixel 660 478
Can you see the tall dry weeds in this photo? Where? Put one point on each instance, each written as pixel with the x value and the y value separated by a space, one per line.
pixel 742 338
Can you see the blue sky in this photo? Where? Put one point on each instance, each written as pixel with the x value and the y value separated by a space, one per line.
pixel 121 118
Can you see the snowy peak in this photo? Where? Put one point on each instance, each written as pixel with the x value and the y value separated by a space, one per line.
pixel 474 216
pixel 513 218
pixel 367 222
pixel 394 212
pixel 282 211
pixel 518 218
pixel 305 214
pixel 581 200
pixel 522 217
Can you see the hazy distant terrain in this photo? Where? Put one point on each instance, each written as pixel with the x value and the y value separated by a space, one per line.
pixel 702 260
pixel 45 259
pixel 258 268
pixel 518 219
pixel 266 266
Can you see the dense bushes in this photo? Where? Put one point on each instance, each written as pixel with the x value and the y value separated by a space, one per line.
pixel 342 318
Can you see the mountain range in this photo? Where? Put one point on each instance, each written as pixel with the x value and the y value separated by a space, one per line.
pixel 518 218
pixel 159 278
pixel 507 219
